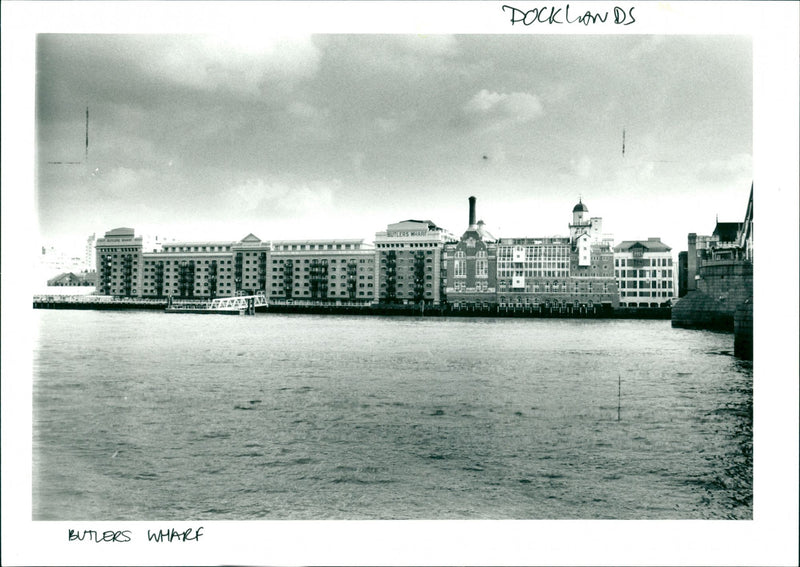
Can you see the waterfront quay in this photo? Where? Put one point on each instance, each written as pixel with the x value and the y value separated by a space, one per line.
pixel 350 308
pixel 96 302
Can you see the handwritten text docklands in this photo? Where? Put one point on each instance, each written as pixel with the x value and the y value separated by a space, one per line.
pixel 554 15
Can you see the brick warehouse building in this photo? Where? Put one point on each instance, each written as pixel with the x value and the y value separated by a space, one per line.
pixel 564 273
pixel 325 270
pixel 409 262
pixel 469 272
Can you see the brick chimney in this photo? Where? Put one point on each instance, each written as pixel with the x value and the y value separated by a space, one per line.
pixel 472 212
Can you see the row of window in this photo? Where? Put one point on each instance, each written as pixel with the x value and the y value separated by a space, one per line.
pixel 410 285
pixel 184 262
pixel 645 294
pixel 278 294
pixel 542 251
pixel 575 287
pixel 196 248
pixel 528 301
pixel 481 268
pixel 647 262
pixel 288 247
pixel 324 261
pixel 643 274
pixel 462 254
pixel 306 284
pixel 645 284
pixel 410 245
pixel 480 287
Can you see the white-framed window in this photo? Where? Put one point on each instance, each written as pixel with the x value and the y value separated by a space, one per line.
pixel 460 264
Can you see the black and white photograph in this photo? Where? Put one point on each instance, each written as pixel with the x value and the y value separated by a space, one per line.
pixel 442 294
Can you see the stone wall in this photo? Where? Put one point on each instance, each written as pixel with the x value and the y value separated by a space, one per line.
pixel 730 282
pixel 722 301
pixel 698 310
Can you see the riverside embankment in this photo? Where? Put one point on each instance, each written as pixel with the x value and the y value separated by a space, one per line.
pixel 343 308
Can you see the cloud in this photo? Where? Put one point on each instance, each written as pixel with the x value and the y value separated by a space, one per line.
pixel 647 45
pixel 582 167
pixel 502 107
pixel 303 110
pixel 734 168
pixel 123 181
pixel 357 159
pixel 240 64
pixel 280 199
pixel 429 45
pixel 387 124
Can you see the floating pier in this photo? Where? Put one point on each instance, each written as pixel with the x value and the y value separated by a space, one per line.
pixel 239 305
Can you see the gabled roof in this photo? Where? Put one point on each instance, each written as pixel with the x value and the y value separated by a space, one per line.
pixel 649 245
pixel 727 231
pixel 250 238
pixel 478 233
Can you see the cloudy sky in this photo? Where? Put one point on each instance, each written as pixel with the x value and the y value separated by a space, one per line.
pixel 335 136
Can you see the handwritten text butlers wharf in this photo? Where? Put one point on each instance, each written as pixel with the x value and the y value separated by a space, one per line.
pixel 553 15
pixel 124 536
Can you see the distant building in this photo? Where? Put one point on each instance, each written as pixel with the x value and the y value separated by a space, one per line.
pixel 89 256
pixel 71 279
pixel 119 263
pixel 190 270
pixel 644 272
pixel 54 262
pixel 322 270
pixel 408 262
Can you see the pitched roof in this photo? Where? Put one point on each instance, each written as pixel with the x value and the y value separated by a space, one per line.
pixel 251 238
pixel 478 233
pixel 727 231
pixel 649 245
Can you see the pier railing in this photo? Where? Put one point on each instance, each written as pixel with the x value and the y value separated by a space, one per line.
pixel 97 299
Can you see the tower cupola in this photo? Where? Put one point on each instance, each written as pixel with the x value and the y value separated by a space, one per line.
pixel 580 213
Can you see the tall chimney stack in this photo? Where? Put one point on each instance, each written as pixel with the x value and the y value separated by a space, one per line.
pixel 472 212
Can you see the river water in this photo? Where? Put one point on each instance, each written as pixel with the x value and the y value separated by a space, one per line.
pixel 146 415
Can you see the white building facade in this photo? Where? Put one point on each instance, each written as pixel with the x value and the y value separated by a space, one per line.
pixel 645 274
